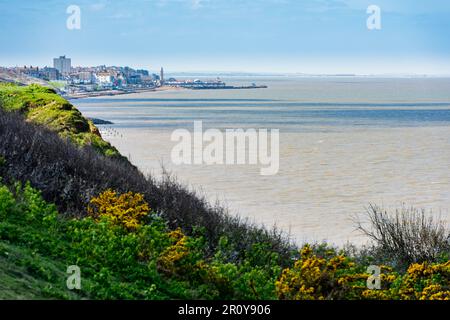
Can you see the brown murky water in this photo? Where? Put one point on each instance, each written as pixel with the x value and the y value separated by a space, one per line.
pixel 343 144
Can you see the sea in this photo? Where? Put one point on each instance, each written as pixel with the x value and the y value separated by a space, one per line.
pixel 345 143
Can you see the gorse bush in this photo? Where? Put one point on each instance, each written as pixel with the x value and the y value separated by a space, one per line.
pixel 335 276
pixel 128 209
pixel 319 278
pixel 425 281
pixel 422 281
pixel 176 259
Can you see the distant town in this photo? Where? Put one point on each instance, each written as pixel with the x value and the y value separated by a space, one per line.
pixel 77 82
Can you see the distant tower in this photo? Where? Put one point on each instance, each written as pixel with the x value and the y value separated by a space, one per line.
pixel 161 76
pixel 62 64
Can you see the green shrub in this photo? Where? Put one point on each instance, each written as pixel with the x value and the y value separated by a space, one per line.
pixel 33 205
pixel 7 202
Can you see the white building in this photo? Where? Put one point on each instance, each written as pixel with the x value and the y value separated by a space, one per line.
pixel 104 78
pixel 62 64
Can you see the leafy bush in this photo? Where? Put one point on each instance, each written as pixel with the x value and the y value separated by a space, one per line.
pixel 7 202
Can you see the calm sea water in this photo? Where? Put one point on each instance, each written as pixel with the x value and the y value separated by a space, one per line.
pixel 345 142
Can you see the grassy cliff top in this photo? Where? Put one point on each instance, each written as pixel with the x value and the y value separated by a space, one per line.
pixel 44 106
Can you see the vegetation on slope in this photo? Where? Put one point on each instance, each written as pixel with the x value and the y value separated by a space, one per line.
pixel 125 251
pixel 42 105
pixel 135 238
pixel 131 256
pixel 70 177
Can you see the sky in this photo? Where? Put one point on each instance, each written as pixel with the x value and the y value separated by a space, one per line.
pixel 261 36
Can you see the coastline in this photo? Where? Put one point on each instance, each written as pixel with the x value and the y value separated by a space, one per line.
pixel 107 93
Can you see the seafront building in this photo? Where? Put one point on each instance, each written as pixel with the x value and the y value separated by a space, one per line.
pixel 83 80
pixel 104 78
pixel 46 73
pixel 63 65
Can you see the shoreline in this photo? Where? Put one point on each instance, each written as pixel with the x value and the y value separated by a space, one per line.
pixel 108 93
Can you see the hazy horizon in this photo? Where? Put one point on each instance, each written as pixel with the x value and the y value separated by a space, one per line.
pixel 244 73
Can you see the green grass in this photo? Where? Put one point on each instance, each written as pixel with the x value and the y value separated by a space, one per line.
pixel 25 274
pixel 43 106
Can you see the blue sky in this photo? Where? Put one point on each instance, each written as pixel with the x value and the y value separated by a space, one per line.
pixel 314 36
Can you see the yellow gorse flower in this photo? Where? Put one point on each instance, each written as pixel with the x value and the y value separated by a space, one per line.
pixel 128 209
pixel 337 277
pixel 170 261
